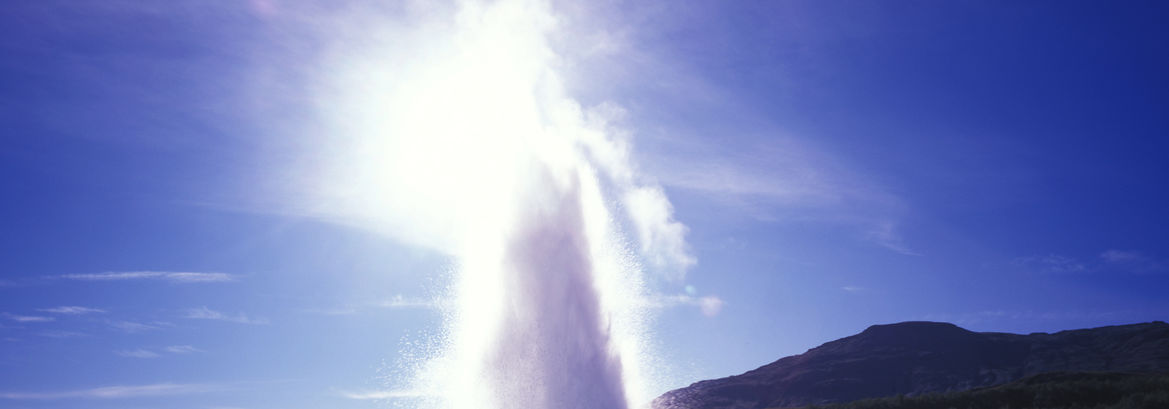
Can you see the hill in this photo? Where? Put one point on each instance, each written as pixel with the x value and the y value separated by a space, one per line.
pixel 917 358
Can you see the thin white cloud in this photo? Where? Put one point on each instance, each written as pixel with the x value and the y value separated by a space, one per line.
pixel 115 392
pixel 138 353
pixel 854 289
pixel 396 302
pixel 886 234
pixel 1133 261
pixel 1051 263
pixel 381 395
pixel 204 313
pixel 172 276
pixel 780 180
pixel 133 327
pixel 182 349
pixel 73 310
pixel 1113 260
pixel 27 318
pixel 791 175
pixel 199 277
pixel 157 352
pixel 1122 256
pixel 400 301
pixel 63 334
pixel 709 305
pixel 112 276
pixel 147 353
pixel 332 311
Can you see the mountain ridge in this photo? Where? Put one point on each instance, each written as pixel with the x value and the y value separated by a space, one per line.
pixel 918 357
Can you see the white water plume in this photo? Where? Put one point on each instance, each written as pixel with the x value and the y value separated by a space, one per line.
pixel 454 132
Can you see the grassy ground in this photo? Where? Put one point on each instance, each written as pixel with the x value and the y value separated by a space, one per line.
pixel 1047 391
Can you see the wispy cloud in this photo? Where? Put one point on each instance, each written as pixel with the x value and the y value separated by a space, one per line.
pixel 347 310
pixel 182 349
pixel 1133 260
pixel 1051 263
pixel 885 234
pixel 1122 256
pixel 115 392
pixel 1130 261
pixel 171 276
pixel 133 327
pixel 854 289
pixel 73 310
pixel 62 334
pixel 138 353
pixel 382 394
pixel 157 352
pixel 400 301
pixel 396 302
pixel 204 313
pixel 27 318
pixel 709 305
pixel 783 179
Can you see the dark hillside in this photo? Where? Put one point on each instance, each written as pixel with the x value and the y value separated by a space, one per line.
pixel 1059 390
pixel 916 358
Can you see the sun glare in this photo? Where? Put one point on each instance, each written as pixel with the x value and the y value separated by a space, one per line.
pixel 459 136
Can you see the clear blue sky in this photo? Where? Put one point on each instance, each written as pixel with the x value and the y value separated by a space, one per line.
pixel 999 165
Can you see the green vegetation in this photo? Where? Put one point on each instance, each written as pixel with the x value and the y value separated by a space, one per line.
pixel 1046 391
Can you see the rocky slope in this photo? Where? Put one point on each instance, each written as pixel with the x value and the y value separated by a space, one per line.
pixel 920 357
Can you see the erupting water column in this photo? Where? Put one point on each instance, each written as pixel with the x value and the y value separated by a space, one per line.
pixel 461 138
pixel 553 350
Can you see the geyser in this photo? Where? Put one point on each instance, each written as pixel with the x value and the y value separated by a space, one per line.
pixel 454 132
pixel 553 349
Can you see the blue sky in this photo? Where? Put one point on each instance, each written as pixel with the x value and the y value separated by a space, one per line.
pixel 997 165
